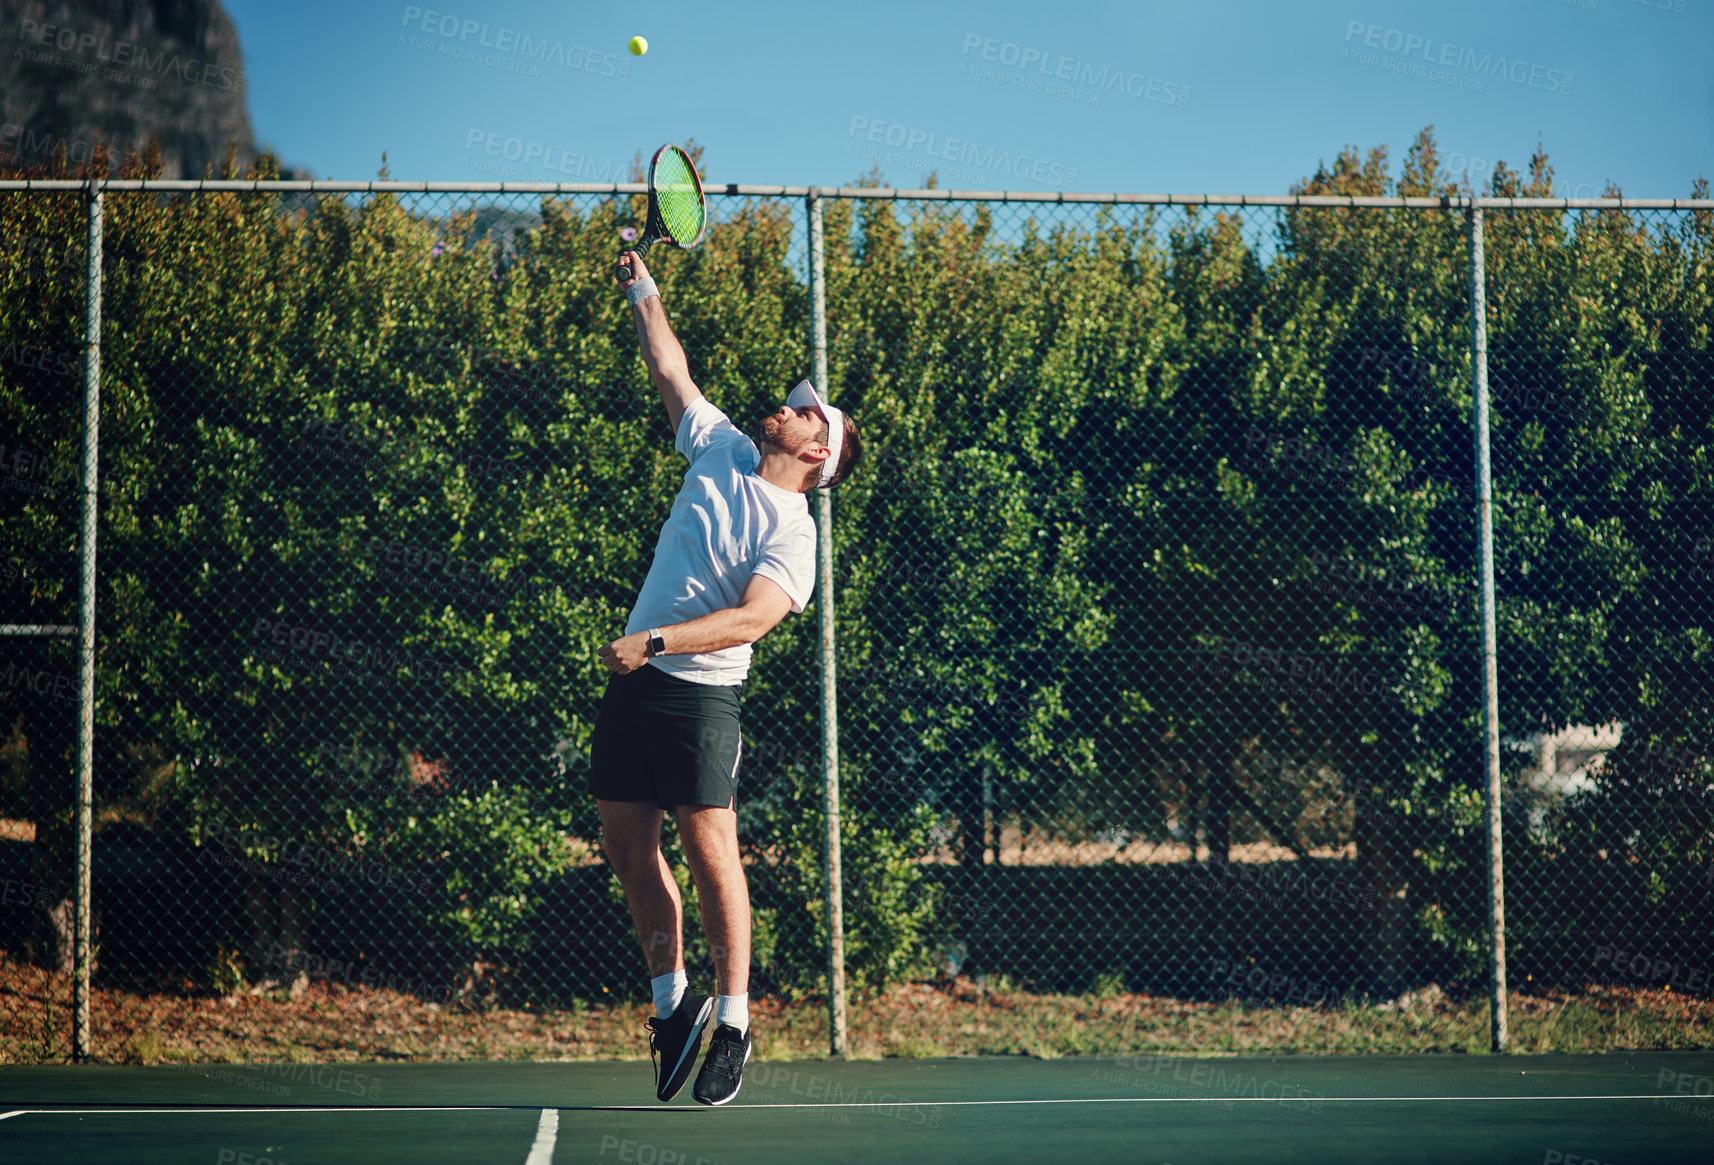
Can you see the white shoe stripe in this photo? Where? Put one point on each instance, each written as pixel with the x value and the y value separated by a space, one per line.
pixel 690 1042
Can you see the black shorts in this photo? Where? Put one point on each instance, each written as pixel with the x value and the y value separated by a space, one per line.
pixel 662 739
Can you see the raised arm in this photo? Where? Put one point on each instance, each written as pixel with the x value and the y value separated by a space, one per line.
pixel 662 352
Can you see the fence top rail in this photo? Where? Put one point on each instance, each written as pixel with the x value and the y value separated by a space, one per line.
pixel 876 193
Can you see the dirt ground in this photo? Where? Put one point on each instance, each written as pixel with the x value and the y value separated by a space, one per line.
pixel 328 1022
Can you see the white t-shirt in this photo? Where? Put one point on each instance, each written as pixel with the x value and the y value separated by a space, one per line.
pixel 726 525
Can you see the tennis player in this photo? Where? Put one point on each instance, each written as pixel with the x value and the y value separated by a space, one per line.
pixel 735 557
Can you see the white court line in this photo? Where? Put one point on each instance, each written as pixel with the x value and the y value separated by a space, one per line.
pixel 9 1115
pixel 1191 1100
pixel 282 1108
pixel 338 1108
pixel 547 1132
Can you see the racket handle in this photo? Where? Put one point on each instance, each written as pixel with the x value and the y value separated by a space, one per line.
pixel 623 270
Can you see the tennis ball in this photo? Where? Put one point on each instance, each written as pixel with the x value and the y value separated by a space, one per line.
pixel 639 46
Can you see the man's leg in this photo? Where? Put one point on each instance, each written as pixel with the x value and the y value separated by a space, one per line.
pixel 631 838
pixel 710 838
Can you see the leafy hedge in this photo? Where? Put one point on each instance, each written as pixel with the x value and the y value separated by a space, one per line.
pixel 1109 461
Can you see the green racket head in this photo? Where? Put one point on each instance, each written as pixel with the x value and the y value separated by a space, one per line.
pixel 677 194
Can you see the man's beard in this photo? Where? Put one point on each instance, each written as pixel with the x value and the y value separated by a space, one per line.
pixel 768 434
pixel 770 438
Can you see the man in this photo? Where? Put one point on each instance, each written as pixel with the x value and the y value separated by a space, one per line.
pixel 735 556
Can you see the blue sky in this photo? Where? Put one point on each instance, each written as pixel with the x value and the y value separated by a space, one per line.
pixel 1214 97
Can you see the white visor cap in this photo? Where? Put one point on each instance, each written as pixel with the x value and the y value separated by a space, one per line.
pixel 804 396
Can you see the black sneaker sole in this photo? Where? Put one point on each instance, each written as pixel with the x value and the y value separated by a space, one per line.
pixel 672 1083
pixel 748 1052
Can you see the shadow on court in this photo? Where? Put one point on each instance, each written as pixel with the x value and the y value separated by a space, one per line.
pixel 1619 1109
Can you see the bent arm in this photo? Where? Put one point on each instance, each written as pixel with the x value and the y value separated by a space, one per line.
pixel 764 604
pixel 662 352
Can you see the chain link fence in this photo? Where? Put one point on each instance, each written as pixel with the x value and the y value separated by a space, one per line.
pixel 1159 643
pixel 1172 617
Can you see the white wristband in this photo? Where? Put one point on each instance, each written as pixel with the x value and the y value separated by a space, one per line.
pixel 642 289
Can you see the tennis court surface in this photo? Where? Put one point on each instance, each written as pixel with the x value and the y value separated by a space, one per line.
pixel 1615 1109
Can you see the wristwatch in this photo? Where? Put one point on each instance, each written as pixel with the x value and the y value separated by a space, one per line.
pixel 657 645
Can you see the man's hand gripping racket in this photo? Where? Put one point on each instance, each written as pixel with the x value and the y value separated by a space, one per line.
pixel 678 211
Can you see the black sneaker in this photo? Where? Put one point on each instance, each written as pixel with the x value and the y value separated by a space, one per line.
pixel 723 1070
pixel 677 1039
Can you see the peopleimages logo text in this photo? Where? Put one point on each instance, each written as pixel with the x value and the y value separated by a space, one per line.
pixel 1444 55
pixel 456 33
pixel 1057 67
pixel 129 54
pixel 960 151
pixel 535 156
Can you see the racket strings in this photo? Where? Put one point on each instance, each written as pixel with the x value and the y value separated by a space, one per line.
pixel 678 199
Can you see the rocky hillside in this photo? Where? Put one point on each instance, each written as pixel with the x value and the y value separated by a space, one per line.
pixel 77 72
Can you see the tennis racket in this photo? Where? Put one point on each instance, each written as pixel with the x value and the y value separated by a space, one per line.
pixel 678 212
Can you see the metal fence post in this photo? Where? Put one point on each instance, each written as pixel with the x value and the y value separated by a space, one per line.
pixel 829 668
pixel 86 623
pixel 1490 638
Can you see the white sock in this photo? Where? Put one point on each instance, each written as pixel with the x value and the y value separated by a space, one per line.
pixel 733 1011
pixel 669 990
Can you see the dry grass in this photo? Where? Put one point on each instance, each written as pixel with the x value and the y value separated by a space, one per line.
pixel 330 1023
pixel 1016 848
pixel 1045 848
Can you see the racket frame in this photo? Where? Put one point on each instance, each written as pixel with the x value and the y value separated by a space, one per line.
pixel 655 229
